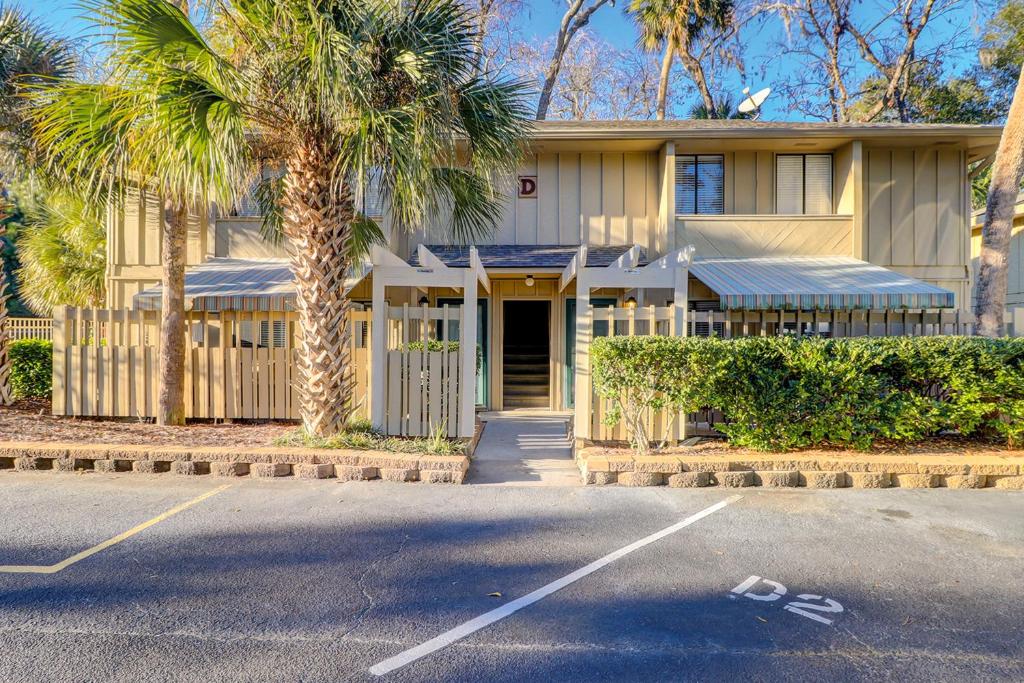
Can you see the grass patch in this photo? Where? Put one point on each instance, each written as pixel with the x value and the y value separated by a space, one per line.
pixel 361 436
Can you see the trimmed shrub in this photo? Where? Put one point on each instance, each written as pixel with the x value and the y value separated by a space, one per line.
pixel 780 393
pixel 31 368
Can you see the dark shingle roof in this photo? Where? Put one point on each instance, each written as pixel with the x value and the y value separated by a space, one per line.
pixel 522 255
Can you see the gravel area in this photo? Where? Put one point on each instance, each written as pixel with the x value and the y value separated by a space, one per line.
pixel 30 420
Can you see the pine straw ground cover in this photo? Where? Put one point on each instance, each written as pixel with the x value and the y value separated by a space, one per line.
pixel 30 420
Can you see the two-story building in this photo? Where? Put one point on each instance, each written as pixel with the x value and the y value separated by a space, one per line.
pixel 790 224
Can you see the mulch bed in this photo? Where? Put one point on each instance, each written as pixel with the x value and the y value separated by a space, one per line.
pixel 30 420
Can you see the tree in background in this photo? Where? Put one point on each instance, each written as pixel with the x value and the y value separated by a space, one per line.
pixel 577 16
pixel 596 80
pixel 849 53
pixel 29 55
pixel 693 30
pixel 332 91
pixel 61 248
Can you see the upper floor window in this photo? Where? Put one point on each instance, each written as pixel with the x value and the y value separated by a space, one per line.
pixel 803 184
pixel 700 183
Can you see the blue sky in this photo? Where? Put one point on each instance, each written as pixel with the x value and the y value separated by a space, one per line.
pixel 540 18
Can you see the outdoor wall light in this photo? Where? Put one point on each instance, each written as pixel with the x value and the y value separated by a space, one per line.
pixel 424 300
pixel 529 281
pixel 631 302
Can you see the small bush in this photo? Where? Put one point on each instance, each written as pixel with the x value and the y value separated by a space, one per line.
pixel 780 393
pixel 31 368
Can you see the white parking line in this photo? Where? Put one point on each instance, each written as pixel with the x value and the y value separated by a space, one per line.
pixel 488 618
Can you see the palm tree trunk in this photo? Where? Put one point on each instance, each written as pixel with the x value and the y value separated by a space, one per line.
pixel 318 216
pixel 995 234
pixel 171 397
pixel 170 409
pixel 666 70
pixel 6 398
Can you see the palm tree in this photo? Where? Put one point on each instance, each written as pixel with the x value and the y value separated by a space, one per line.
pixel 61 249
pixel 333 91
pixel 28 54
pixel 1007 171
pixel 673 26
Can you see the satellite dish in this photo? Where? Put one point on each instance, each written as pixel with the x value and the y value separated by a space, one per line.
pixel 752 103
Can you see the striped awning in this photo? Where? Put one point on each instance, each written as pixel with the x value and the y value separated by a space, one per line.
pixel 224 284
pixel 809 283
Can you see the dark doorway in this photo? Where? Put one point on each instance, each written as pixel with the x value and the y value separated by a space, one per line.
pixel 526 354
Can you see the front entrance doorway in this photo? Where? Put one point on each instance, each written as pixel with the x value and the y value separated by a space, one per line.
pixel 526 354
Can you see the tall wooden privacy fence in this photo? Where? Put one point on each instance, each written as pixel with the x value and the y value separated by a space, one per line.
pixel 423 380
pixel 28 328
pixel 656 320
pixel 238 364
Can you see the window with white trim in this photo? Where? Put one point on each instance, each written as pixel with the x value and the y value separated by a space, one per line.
pixel 803 184
pixel 700 184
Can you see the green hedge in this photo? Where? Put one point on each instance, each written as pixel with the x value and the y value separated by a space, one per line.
pixel 31 368
pixel 780 393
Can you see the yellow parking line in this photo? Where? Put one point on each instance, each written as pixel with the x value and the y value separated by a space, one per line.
pixel 64 564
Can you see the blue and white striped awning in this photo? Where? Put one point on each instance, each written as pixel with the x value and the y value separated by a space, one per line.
pixel 223 284
pixel 808 283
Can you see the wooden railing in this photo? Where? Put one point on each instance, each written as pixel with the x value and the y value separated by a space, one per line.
pixel 238 364
pixel 29 328
pixel 727 324
pixel 652 320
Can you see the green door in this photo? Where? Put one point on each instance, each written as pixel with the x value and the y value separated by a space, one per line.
pixel 600 330
pixel 482 376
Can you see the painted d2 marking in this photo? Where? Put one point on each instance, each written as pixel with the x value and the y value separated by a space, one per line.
pixel 778 590
pixel 801 608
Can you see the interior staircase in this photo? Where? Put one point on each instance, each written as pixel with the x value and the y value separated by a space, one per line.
pixel 527 373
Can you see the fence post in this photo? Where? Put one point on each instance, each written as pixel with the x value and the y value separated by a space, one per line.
pixel 58 377
pixel 378 353
pixel 467 348
pixel 584 398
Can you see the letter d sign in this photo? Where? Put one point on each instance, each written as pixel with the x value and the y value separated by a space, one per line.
pixel 527 186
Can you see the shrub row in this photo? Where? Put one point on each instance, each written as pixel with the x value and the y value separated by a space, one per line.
pixel 31 368
pixel 780 393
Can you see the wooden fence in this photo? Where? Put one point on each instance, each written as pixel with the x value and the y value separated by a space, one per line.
pixel 729 324
pixel 238 364
pixel 29 328
pixel 423 381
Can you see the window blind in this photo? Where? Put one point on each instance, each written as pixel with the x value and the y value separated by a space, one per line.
pixel 818 184
pixel 803 184
pixel 700 184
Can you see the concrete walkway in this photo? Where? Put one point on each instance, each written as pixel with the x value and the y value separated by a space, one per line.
pixel 524 450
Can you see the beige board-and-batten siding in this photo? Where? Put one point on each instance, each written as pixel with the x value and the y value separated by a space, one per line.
pixel 596 198
pixel 916 215
pixel 238 364
pixel 135 228
pixel 730 324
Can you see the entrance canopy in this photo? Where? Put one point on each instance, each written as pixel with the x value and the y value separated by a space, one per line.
pixel 814 283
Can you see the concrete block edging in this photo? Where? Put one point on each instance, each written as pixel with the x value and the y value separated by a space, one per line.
pixel 599 466
pixel 269 462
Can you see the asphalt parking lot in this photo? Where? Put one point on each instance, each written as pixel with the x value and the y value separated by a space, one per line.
pixel 326 581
